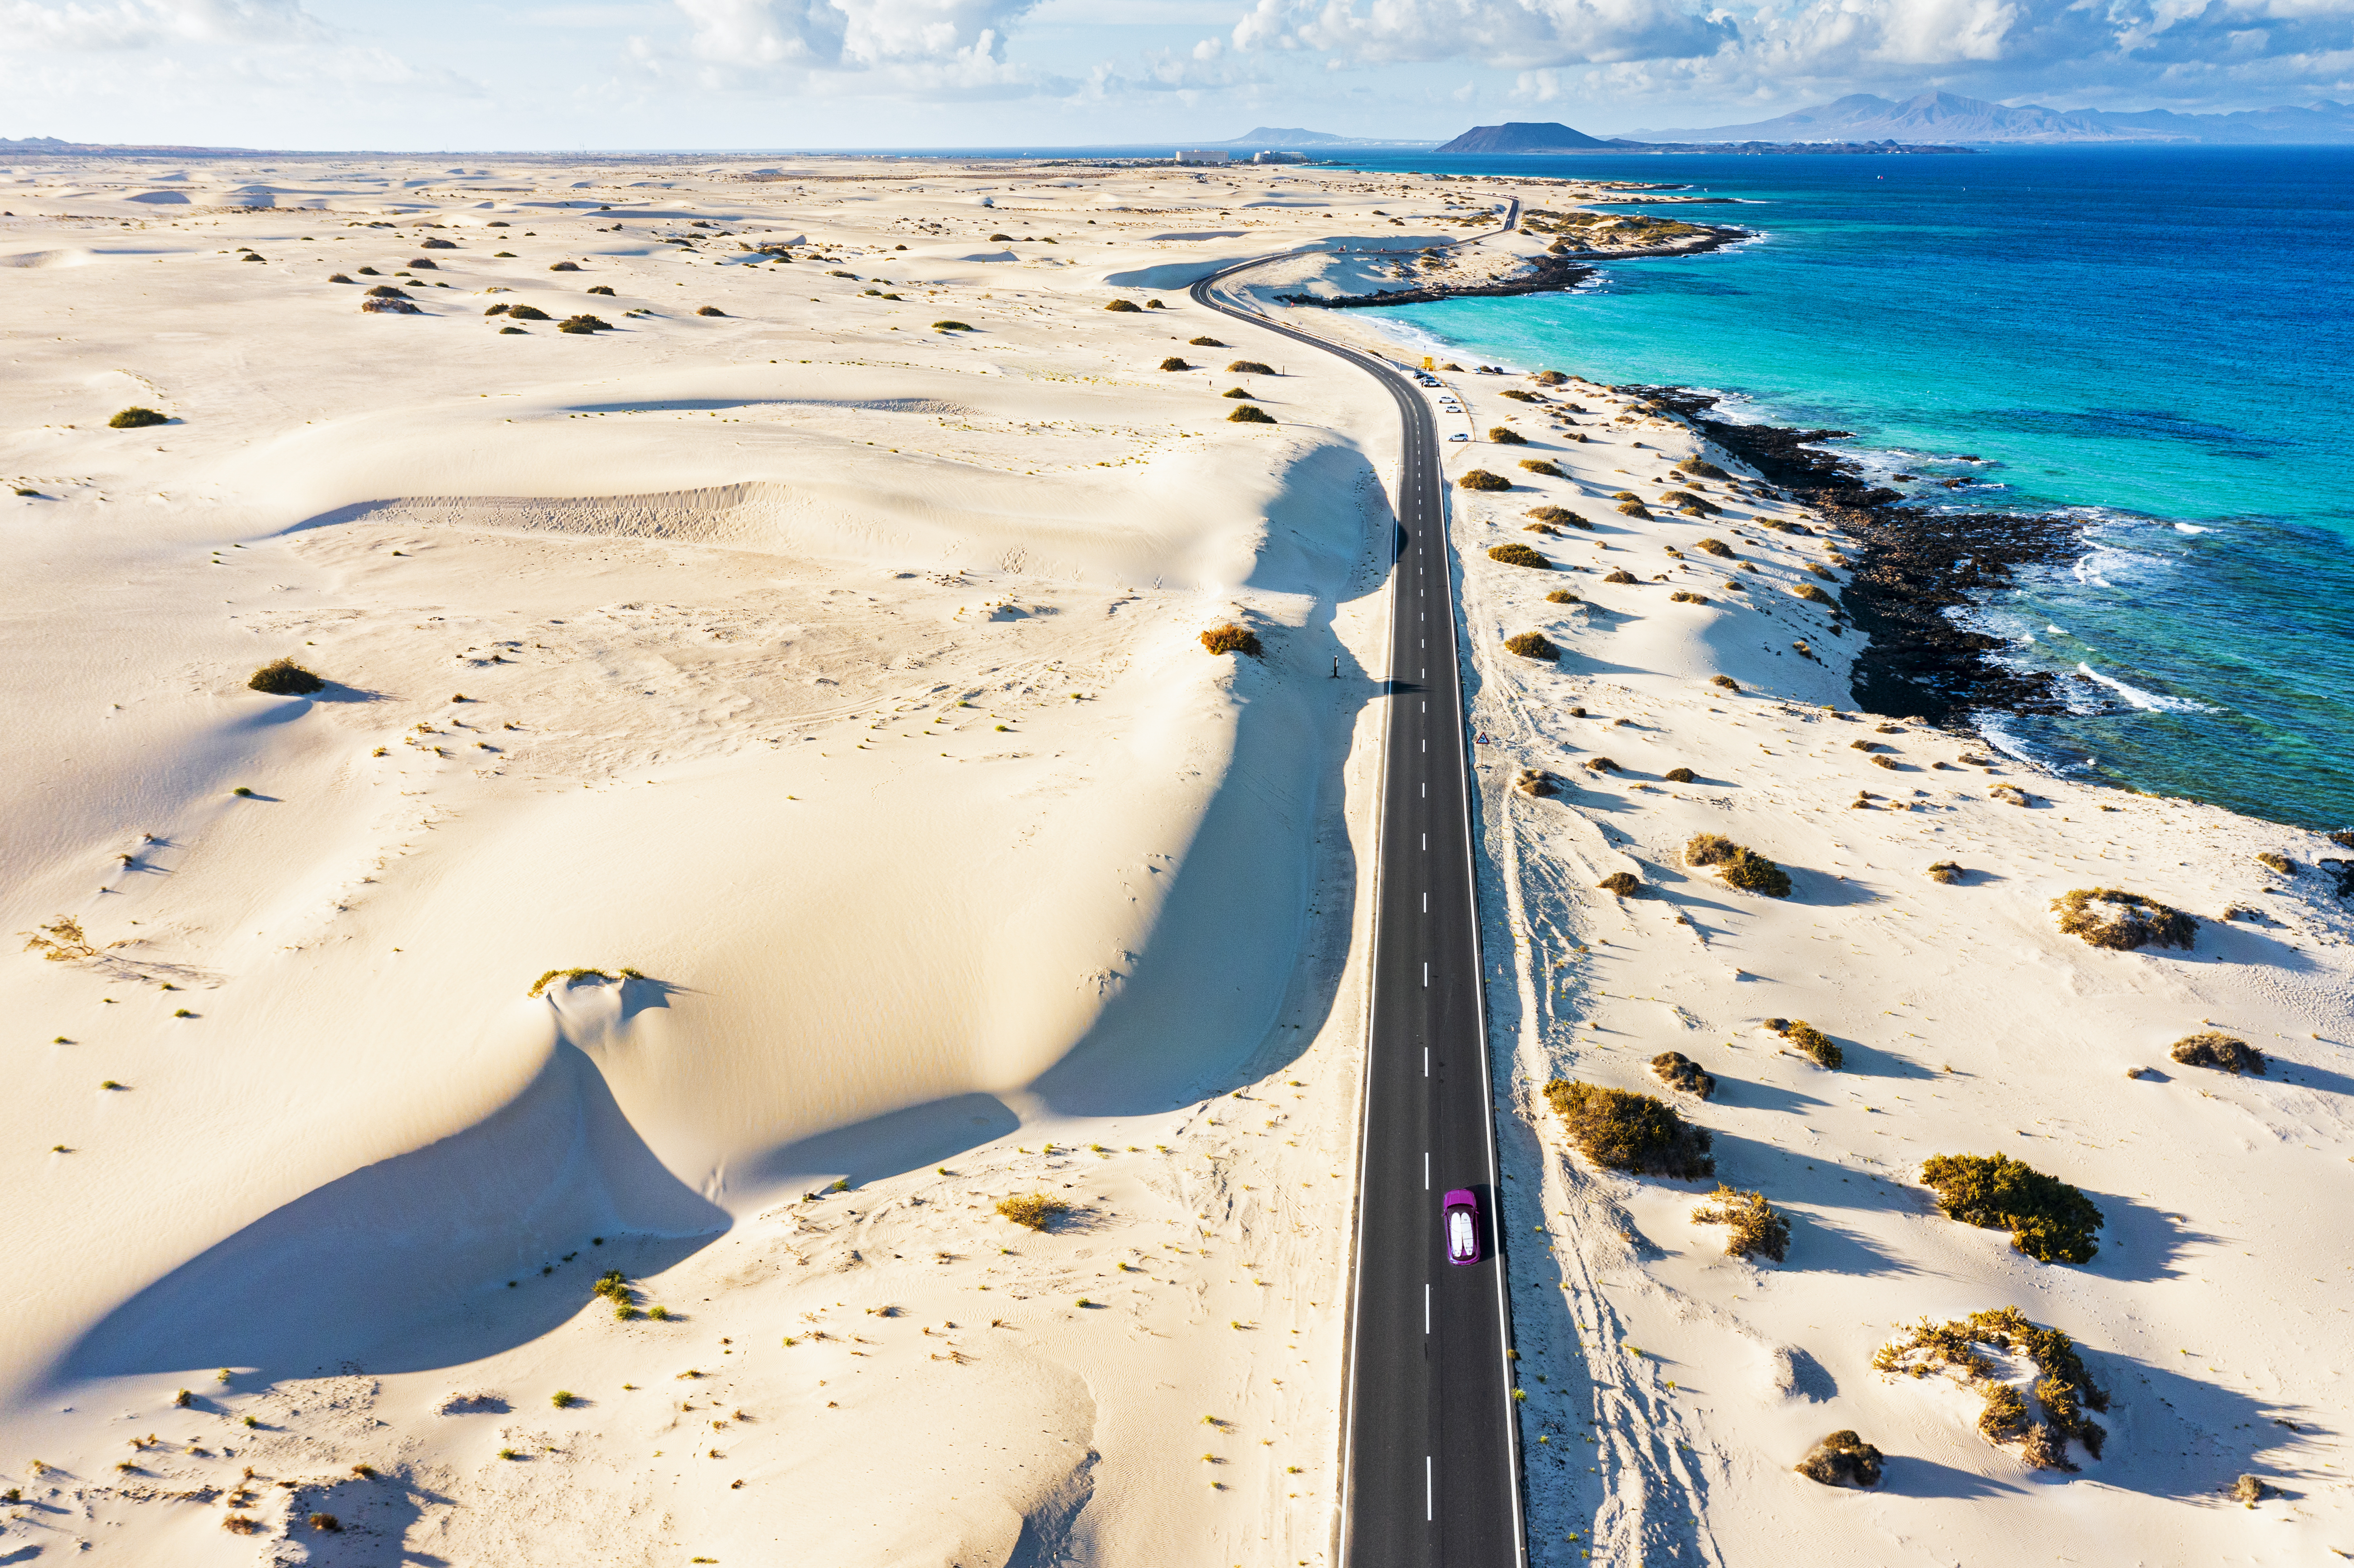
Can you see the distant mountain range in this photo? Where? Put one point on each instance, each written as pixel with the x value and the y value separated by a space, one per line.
pixel 1950 118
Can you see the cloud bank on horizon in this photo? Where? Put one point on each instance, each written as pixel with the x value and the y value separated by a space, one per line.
pixel 717 73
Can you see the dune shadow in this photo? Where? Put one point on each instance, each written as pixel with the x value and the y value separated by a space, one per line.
pixel 1810 1191
pixel 887 1145
pixel 1907 1475
pixel 1259 845
pixel 2139 1243
pixel 441 1256
pixel 337 691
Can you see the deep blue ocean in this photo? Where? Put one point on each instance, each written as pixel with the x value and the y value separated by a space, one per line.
pixel 2158 342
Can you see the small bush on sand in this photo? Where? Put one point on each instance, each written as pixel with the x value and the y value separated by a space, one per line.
pixel 583 324
pixel 2272 861
pixel 2249 1489
pixel 527 313
pixel 1814 595
pixel 1740 866
pixel 1549 378
pixel 284 678
pixel 61 941
pixel 1249 367
pixel 1678 776
pixel 1230 638
pixel 339 278
pixel 1725 682
pixel 600 289
pixel 1701 469
pixel 1250 414
pixel 1621 1131
pixel 1759 1229
pixel 569 977
pixel 1539 465
pixel 1600 764
pixel 1480 478
pixel 1561 596
pixel 952 326
pixel 1841 1459
pixel 563 1399
pixel 1126 305
pixel 1203 343
pixel 326 1521
pixel 1517 395
pixel 566 267
pixel 1531 645
pixel 512 331
pixel 2221 1052
pixel 1173 363
pixel 1679 1071
pixel 1234 392
pixel 497 310
pixel 1557 514
pixel 1519 555
pixel 1625 883
pixel 1505 436
pixel 241 1524
pixel 2065 1389
pixel 2112 917
pixel 1032 1210
pixel 1634 509
pixel 2047 1220
pixel 1683 596
pixel 1618 577
pixel 1946 871
pixel 1716 548
pixel 709 311
pixel 1535 781
pixel 1813 1042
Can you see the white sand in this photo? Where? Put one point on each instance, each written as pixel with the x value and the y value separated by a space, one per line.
pixel 715 590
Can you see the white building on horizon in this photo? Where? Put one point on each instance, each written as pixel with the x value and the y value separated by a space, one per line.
pixel 1208 155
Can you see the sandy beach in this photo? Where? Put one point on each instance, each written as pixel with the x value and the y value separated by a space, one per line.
pixel 548 1093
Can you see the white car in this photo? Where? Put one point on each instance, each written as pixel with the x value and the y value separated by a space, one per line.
pixel 1458 436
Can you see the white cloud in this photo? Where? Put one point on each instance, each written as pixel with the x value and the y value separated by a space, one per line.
pixel 1513 35
pixel 140 24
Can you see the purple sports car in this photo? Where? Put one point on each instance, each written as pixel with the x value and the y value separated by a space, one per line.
pixel 1462 1223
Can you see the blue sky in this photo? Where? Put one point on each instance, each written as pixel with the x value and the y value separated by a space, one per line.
pixel 434 74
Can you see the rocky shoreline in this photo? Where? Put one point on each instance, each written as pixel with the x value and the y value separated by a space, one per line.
pixel 1914 566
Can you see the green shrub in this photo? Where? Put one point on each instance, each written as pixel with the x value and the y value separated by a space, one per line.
pixel 582 324
pixel 1531 645
pixel 2218 1051
pixel 1634 509
pixel 1480 478
pixel 1685 595
pixel 600 289
pixel 1753 873
pixel 514 331
pixel 1505 436
pixel 1249 367
pixel 1129 305
pixel 134 417
pixel 1232 638
pixel 2064 1388
pixel 1841 1459
pixel 1625 883
pixel 1518 396
pixel 1173 363
pixel 563 1399
pixel 1726 682
pixel 1203 343
pixel 2047 1220
pixel 950 326
pixel 1814 595
pixel 1519 555
pixel 1759 1229
pixel 284 678
pixel 1250 414
pixel 1621 1131
pixel 527 313
pixel 1715 547
pixel 1539 465
pixel 1946 871
pixel 1674 1068
pixel 1701 469
pixel 326 1521
pixel 1678 776
pixel 1561 596
pixel 1032 1210
pixel 2273 861
pixel 569 977
pixel 2112 917
pixel 1620 575
pixel 1825 1050
pixel 1556 514
pixel 1234 392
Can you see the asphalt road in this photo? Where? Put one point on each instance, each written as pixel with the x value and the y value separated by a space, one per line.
pixel 1431 1462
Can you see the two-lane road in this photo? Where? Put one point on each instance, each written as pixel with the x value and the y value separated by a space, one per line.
pixel 1431 1464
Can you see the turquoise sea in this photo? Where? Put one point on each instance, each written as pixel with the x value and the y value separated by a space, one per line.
pixel 2158 342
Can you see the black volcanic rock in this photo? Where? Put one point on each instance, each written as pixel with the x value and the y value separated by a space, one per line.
pixel 1522 136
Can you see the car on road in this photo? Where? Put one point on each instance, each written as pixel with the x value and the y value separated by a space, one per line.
pixel 1460 1220
pixel 1458 436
